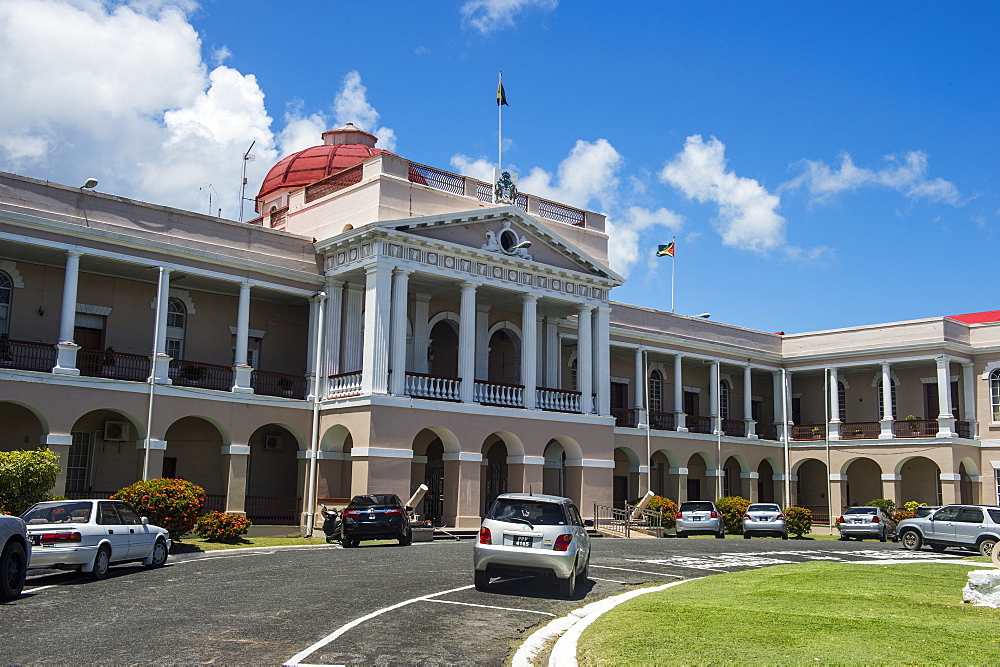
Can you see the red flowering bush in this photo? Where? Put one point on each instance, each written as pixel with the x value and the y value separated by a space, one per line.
pixel 222 527
pixel 800 520
pixel 732 509
pixel 173 504
pixel 667 509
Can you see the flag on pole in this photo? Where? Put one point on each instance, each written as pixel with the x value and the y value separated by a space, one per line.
pixel 501 95
pixel 666 250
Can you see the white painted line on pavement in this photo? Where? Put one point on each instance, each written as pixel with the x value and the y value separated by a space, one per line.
pixel 658 574
pixel 295 660
pixel 613 581
pixel 198 560
pixel 489 606
pixel 40 588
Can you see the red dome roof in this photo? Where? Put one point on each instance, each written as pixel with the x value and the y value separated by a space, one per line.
pixel 312 164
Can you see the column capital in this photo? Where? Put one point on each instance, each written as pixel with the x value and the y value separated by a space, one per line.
pixel 377 268
pixel 74 253
pixel 603 309
pixel 483 307
pixel 469 285
pixel 968 364
pixel 585 308
pixel 401 271
pixel 422 298
pixel 527 298
pixel 245 285
pixel 318 296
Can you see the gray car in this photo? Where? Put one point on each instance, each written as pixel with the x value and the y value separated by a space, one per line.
pixel 699 517
pixel 537 535
pixel 966 526
pixel 764 519
pixel 866 522
pixel 15 552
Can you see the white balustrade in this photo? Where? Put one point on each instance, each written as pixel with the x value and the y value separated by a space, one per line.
pixel 499 394
pixel 437 388
pixel 345 384
pixel 558 399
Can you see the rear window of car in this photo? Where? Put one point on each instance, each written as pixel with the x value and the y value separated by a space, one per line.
pixel 696 507
pixel 763 508
pixel 862 510
pixel 534 512
pixel 995 515
pixel 374 499
pixel 68 512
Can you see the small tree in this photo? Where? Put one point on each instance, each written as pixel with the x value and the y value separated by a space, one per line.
pixel 733 508
pixel 888 506
pixel 667 509
pixel 173 504
pixel 26 478
pixel 222 527
pixel 799 519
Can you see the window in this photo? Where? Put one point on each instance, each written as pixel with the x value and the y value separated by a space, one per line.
pixel 6 292
pixel 176 313
pixel 881 406
pixel 994 393
pixel 724 399
pixel 655 392
pixel 78 463
pixel 176 324
pixel 841 401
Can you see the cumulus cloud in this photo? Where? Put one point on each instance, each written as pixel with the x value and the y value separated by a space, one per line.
pixel 625 247
pixel 748 213
pixel 480 169
pixel 488 16
pixel 351 106
pixel 906 174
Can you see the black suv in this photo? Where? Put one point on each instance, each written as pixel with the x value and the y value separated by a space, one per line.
pixel 376 516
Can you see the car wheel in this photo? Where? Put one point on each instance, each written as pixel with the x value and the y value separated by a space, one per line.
pixel 584 574
pixel 681 533
pixel 720 535
pixel 405 539
pixel 938 547
pixel 784 536
pixel 567 586
pixel 746 536
pixel 159 555
pixel 986 546
pixel 348 542
pixel 13 568
pixel 482 580
pixel 883 537
pixel 911 540
pixel 102 562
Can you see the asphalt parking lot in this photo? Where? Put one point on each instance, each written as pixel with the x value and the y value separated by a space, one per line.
pixel 375 605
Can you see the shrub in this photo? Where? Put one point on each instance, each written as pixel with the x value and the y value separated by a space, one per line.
pixel 908 512
pixel 887 505
pixel 800 520
pixel 733 508
pixel 173 504
pixel 26 478
pixel 222 527
pixel 667 509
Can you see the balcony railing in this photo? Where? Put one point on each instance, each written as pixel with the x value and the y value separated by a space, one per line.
pixel 214 503
pixel 735 428
pixel 915 428
pixel 699 424
pixel 498 393
pixel 809 432
pixel 345 384
pixel 662 421
pixel 434 387
pixel 964 429
pixel 859 430
pixel 273 510
pixel 26 355
pixel 115 365
pixel 766 431
pixel 270 383
pixel 199 374
pixel 557 400
pixel 625 417
pixel 334 183
pixel 437 179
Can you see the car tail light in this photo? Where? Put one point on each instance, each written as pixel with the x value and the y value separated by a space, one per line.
pixel 714 515
pixel 781 517
pixel 840 519
pixel 680 515
pixel 55 538
pixel 747 517
pixel 875 519
pixel 562 542
pixel 352 513
pixel 393 512
pixel 485 536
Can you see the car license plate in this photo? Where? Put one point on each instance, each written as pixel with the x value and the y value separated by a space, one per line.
pixel 522 540
pixel 371 517
pixel 696 518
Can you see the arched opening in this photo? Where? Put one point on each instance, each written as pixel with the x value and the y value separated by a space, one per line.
pixel 553 476
pixel 810 489
pixel 765 483
pixel 176 325
pixel 494 472
pixel 272 495
pixel 698 486
pixel 968 490
pixel 732 479
pixel 334 474
pixel 429 469
pixel 662 481
pixel 6 297
pixel 22 428
pixel 102 456
pixel 194 453
pixel 864 482
pixel 625 483
pixel 505 357
pixel 920 480
pixel 442 349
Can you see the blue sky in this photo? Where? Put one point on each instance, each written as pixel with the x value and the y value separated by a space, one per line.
pixel 820 166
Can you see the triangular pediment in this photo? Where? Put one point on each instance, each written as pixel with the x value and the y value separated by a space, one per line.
pixel 487 230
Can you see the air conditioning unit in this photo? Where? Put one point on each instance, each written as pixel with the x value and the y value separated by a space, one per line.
pixel 273 442
pixel 117 431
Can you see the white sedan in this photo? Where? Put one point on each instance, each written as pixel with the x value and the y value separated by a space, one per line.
pixel 92 535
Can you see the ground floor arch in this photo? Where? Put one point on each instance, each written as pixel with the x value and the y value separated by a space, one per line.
pixel 811 488
pixel 626 477
pixel 553 474
pixel 736 478
pixel 863 482
pixel 766 492
pixel 23 427
pixel 700 486
pixel 919 480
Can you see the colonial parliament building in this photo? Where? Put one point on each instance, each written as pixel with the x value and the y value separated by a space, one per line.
pixel 385 324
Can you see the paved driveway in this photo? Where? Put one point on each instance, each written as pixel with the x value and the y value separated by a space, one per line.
pixel 373 605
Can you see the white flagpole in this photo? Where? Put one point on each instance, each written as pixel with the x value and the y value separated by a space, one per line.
pixel 673 264
pixel 499 123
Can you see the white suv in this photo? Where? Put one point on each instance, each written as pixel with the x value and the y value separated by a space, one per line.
pixel 968 526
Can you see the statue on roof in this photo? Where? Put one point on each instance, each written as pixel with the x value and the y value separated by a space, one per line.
pixel 505 190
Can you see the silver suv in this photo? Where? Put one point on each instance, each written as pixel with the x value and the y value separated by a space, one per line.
pixel 968 526
pixel 699 517
pixel 536 535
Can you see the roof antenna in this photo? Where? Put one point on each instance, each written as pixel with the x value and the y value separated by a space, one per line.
pixel 243 188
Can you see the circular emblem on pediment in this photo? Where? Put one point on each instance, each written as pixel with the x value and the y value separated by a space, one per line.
pixel 556 284
pixel 497 272
pixel 353 254
pixel 570 288
pixel 512 275
pixel 432 258
pixel 449 262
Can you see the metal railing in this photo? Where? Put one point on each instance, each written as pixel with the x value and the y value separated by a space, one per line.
pixel 736 428
pixel 662 421
pixel 214 503
pixel 484 191
pixel 434 387
pixel 199 374
pixel 808 431
pixel 560 213
pixel 437 179
pixel 278 216
pixel 915 428
pixel 557 400
pixel 271 383
pixel 344 384
pixel 766 431
pixel 859 430
pixel 698 424
pixel 334 183
pixel 273 510
pixel 87 495
pixel 624 522
pixel 26 355
pixel 964 429
pixel 114 365
pixel 498 393
pixel 625 417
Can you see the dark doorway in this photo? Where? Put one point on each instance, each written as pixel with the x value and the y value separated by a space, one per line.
pixel 694 489
pixel 691 403
pixel 619 395
pixel 169 467
pixel 620 491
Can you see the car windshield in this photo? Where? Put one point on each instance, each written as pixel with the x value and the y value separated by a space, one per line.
pixel 68 512
pixel 696 507
pixel 862 510
pixel 763 508
pixel 531 511
pixel 374 499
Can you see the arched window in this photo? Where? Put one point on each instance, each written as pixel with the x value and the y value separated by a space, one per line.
pixel 176 323
pixel 724 399
pixel 881 405
pixel 841 401
pixel 995 394
pixel 6 292
pixel 655 392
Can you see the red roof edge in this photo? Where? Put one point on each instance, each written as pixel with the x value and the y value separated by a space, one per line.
pixel 978 318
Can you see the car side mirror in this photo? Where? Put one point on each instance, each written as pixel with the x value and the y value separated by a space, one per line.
pixel 145 521
pixel 589 523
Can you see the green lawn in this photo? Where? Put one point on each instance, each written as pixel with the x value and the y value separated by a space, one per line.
pixel 812 613
pixel 195 544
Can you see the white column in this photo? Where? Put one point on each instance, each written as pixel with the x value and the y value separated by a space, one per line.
pixel 969 404
pixel 748 420
pixel 540 350
pixel 314 323
pixel 352 340
pixel 639 397
pixel 529 348
pixel 242 370
pixel 421 331
pixel 946 416
pixel 553 356
pixel 467 342
pixel 66 349
pixel 833 428
pixel 332 326
pixel 482 341
pixel 714 411
pixel 776 389
pixel 375 352
pixel 584 360
pixel 887 417
pixel 602 356
pixel 400 285
pixel 679 415
pixel 161 362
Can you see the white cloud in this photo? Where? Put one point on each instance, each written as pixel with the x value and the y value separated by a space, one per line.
pixel 351 106
pixel 480 169
pixel 625 245
pixel 907 175
pixel 588 173
pixel 748 213
pixel 487 16
pixel 301 131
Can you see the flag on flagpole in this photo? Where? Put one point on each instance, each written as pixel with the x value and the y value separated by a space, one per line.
pixel 666 250
pixel 501 95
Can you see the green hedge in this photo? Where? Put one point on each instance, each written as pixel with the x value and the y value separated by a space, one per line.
pixel 173 504
pixel 26 478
